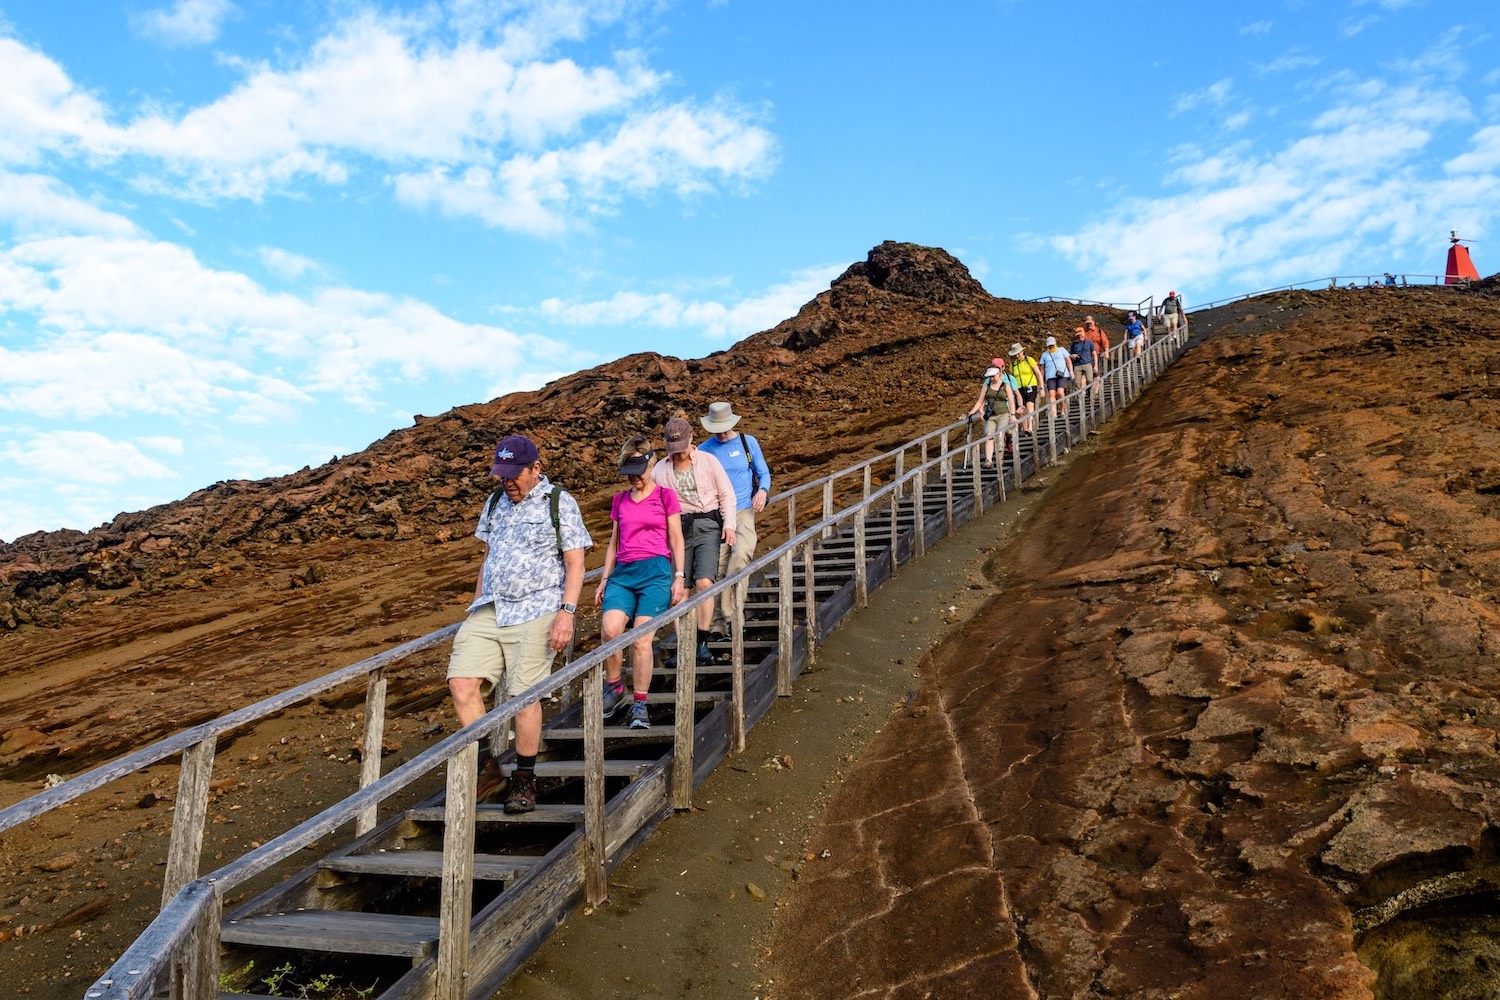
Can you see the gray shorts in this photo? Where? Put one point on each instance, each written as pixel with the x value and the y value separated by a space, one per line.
pixel 701 536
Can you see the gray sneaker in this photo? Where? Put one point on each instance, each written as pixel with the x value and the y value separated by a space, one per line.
pixel 614 697
pixel 639 719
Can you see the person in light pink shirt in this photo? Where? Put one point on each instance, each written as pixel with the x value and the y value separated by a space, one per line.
pixel 708 513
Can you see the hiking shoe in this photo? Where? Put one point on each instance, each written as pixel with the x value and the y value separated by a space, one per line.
pixel 705 655
pixel 522 797
pixel 639 719
pixel 491 779
pixel 614 697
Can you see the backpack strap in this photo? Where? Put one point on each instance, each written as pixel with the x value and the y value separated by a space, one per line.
pixel 750 464
pixel 554 501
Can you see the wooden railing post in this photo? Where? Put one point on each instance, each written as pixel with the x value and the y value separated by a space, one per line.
pixel 784 625
pixel 687 699
pixel 861 569
pixel 1052 431
pixel 976 476
pixel 455 905
pixel 809 581
pixel 900 471
pixel 791 516
pixel 919 505
pixel 827 507
pixel 1015 454
pixel 895 531
pixel 195 970
pixel 595 863
pixel 369 764
pixel 737 666
pixel 947 468
pixel 865 492
pixel 186 845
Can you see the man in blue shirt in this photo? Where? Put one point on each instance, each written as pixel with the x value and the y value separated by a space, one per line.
pixel 742 458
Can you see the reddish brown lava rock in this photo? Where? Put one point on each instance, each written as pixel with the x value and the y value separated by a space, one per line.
pixel 1231 729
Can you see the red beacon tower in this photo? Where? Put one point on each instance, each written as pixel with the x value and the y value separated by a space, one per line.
pixel 1460 267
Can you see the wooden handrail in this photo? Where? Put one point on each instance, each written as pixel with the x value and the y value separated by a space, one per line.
pixel 196 905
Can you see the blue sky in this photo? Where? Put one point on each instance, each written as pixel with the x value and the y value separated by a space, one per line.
pixel 238 237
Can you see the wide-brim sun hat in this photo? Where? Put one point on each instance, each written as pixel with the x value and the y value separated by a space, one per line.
pixel 721 417
pixel 1016 349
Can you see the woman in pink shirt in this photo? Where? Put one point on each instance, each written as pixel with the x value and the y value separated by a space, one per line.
pixel 643 574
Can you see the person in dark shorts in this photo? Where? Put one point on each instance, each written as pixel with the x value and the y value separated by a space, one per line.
pixel 1028 378
pixel 708 514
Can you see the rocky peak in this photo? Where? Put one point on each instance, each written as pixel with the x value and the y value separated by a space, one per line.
pixel 916 271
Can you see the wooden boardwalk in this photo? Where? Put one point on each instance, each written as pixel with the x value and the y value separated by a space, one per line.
pixel 450 897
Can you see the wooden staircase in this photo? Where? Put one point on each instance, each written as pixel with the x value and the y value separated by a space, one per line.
pixel 372 905
pixel 368 917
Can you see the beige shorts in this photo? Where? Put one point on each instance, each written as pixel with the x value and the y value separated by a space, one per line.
pixel 998 424
pixel 508 658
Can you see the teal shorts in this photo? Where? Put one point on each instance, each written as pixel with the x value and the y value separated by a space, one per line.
pixel 641 589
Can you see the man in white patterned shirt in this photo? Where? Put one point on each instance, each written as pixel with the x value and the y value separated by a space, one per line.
pixel 524 603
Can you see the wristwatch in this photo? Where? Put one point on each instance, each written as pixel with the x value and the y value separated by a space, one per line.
pixel 571 609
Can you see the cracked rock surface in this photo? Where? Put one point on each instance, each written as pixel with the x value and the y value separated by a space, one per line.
pixel 1230 730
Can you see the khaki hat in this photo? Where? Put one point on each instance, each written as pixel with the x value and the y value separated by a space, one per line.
pixel 1016 349
pixel 721 417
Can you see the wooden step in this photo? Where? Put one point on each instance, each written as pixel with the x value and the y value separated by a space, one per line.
pixel 336 931
pixel 429 864
pixel 560 813
pixel 574 768
pixel 618 734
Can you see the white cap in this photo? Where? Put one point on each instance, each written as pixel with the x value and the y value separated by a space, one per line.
pixel 1051 341
pixel 991 372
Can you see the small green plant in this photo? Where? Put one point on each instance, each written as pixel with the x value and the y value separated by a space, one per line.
pixel 279 983
pixel 282 974
pixel 229 977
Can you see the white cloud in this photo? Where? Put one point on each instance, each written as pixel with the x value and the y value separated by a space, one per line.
pixel 139 326
pixel 1256 28
pixel 118 374
pixel 715 319
pixel 1288 63
pixel 82 457
pixel 1215 94
pixel 1321 202
pixel 674 149
pixel 187 22
pixel 1485 154
pixel 41 111
pixel 286 264
pixel 34 204
pixel 161 443
pixel 457 123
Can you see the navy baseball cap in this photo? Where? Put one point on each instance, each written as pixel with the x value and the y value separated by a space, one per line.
pixel 513 456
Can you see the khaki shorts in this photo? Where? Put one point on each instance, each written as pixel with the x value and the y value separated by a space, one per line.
pixel 508 658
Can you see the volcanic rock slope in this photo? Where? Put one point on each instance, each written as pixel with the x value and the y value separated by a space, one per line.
pixel 172 615
pixel 1230 730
